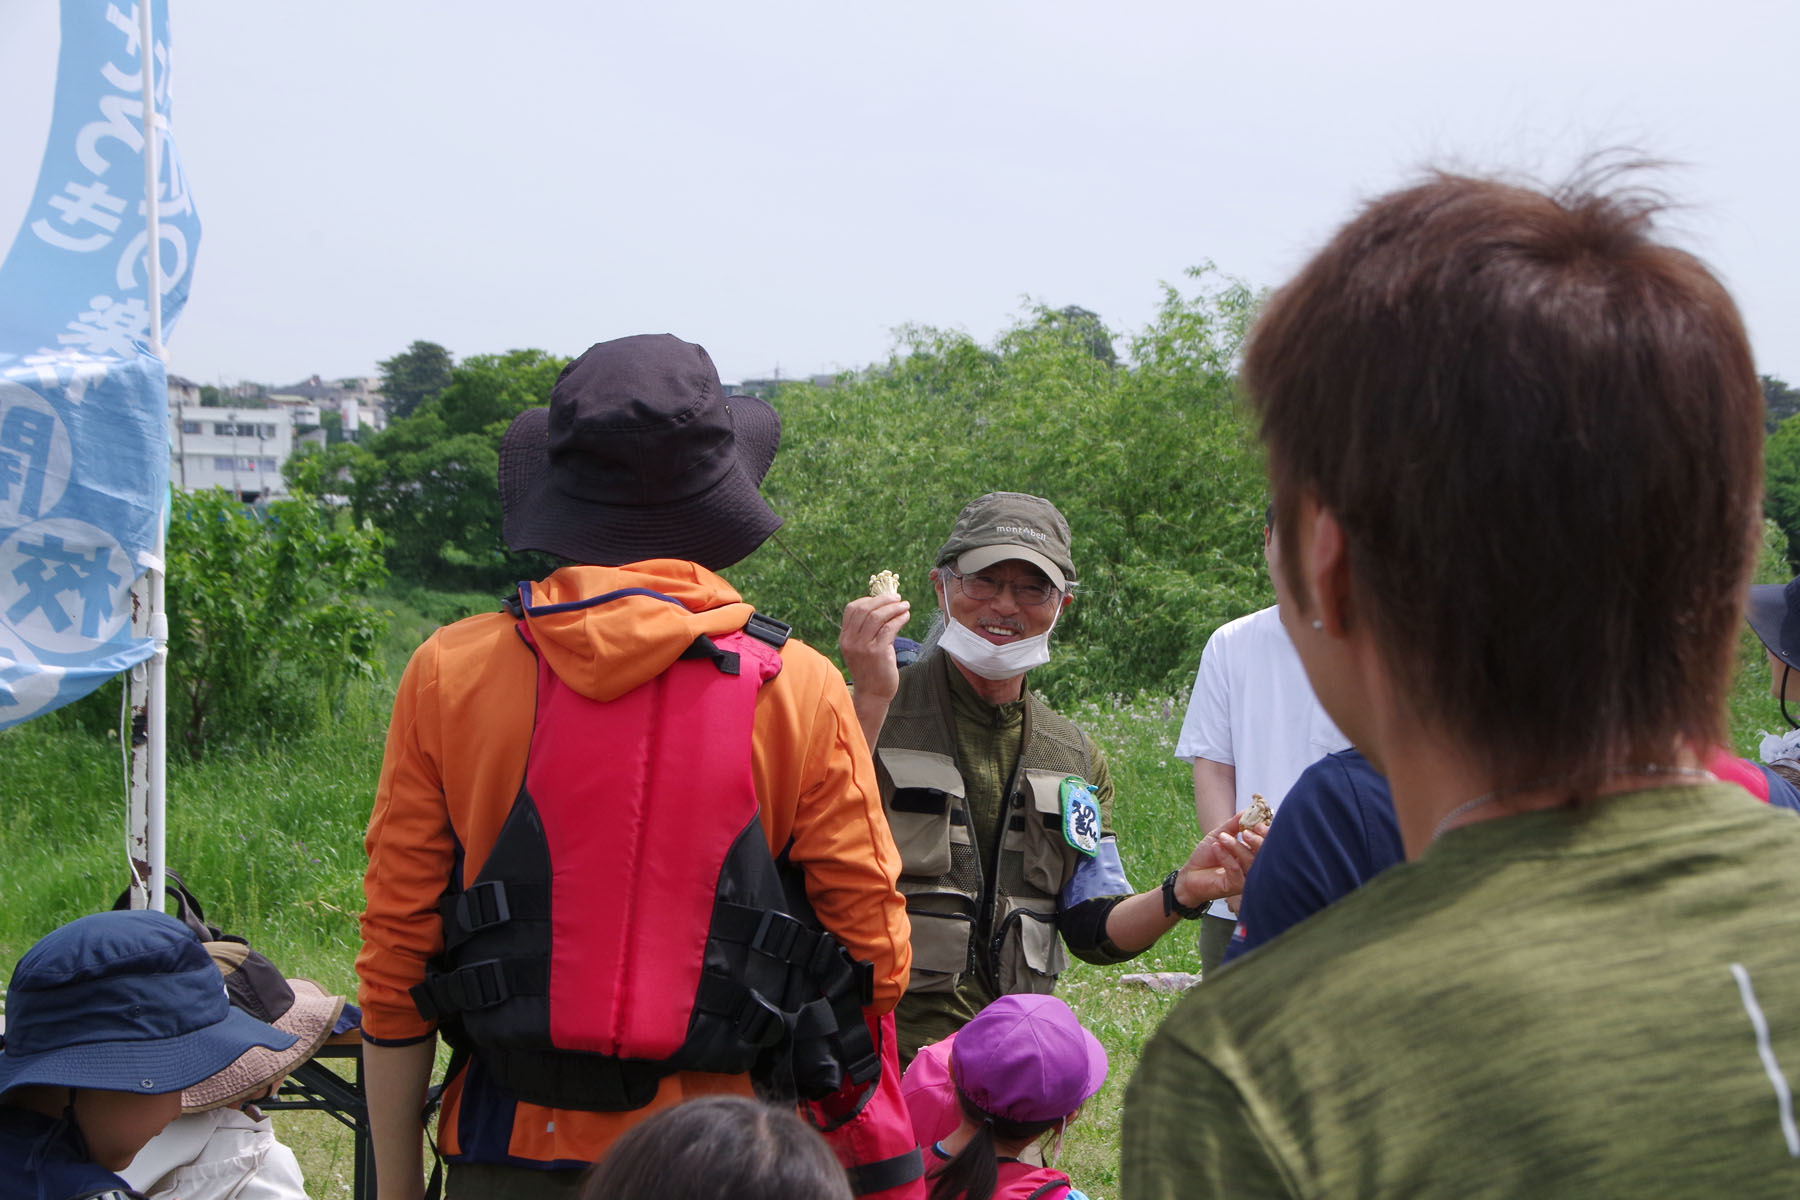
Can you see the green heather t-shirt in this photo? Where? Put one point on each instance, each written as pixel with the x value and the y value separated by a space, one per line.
pixel 1556 1004
pixel 988 740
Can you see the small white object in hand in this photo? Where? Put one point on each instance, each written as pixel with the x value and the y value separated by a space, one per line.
pixel 1258 813
pixel 884 583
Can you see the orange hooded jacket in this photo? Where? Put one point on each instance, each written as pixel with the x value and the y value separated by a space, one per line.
pixel 456 754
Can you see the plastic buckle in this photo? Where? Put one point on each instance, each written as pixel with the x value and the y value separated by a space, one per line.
pixel 768 629
pixel 775 935
pixel 760 1022
pixel 481 985
pixel 865 983
pixel 483 906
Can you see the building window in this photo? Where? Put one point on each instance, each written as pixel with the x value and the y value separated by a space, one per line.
pixel 190 427
pixel 224 464
pixel 223 428
pixel 267 464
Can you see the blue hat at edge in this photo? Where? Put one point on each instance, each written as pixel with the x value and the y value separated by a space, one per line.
pixel 1774 613
pixel 123 1002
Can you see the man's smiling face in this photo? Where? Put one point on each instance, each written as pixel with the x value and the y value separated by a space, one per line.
pixel 1003 618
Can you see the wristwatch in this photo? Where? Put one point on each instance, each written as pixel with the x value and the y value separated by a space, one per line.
pixel 1175 908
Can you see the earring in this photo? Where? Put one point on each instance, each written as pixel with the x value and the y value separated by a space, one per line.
pixel 1319 624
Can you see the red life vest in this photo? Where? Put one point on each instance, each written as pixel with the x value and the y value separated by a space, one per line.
pixel 1021 1182
pixel 630 922
pixel 1015 1180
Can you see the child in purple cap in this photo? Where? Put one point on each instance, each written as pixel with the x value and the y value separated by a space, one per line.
pixel 108 1019
pixel 1023 1067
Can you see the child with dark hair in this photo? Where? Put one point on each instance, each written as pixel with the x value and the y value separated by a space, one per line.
pixel 108 1019
pixel 1021 1069
pixel 715 1147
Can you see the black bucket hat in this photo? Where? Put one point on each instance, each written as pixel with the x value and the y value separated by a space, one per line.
pixel 640 455
pixel 1774 615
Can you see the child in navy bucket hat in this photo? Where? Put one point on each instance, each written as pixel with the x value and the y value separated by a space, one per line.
pixel 108 1019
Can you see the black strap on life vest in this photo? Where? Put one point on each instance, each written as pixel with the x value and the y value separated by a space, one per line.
pixel 885 1173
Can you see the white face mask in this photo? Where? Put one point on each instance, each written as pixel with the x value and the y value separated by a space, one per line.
pixel 991 661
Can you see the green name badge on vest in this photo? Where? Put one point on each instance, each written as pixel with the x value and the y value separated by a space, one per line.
pixel 1080 815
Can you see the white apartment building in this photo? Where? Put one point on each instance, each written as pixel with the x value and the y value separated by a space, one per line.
pixel 238 449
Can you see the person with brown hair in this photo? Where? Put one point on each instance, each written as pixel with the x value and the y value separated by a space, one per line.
pixel 1514 441
pixel 715 1147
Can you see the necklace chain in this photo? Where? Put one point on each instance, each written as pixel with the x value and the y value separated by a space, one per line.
pixel 1468 806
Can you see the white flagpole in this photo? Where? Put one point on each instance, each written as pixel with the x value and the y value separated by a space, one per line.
pixel 147 684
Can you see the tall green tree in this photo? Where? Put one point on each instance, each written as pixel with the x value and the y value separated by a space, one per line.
pixel 1781 485
pixel 320 471
pixel 1153 463
pixel 429 480
pixel 1085 328
pixel 1779 401
pixel 413 376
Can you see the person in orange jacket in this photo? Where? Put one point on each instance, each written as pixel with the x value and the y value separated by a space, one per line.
pixel 643 474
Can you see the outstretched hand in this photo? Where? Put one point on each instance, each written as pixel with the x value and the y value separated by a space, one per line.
pixel 1218 865
pixel 1215 870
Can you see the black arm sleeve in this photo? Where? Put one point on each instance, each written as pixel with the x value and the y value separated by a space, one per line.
pixel 1084 932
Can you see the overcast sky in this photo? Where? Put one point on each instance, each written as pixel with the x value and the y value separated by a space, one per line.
pixel 787 182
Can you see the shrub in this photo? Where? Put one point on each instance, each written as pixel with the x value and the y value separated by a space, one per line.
pixel 267 622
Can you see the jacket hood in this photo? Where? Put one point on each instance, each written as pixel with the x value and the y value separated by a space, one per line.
pixel 651 612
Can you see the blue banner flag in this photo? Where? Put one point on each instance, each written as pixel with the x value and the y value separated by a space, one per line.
pixel 84 419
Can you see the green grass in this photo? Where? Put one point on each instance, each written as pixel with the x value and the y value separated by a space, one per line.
pixel 271 841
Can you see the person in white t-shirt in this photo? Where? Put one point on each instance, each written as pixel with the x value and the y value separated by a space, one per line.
pixel 1252 726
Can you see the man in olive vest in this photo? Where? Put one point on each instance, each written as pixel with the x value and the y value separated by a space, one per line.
pixel 1001 808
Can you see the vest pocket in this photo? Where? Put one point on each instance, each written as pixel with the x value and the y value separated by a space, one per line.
pixel 1031 953
pixel 927 788
pixel 1048 859
pixel 940 947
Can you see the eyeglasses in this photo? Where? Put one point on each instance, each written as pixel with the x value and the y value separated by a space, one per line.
pixel 986 587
